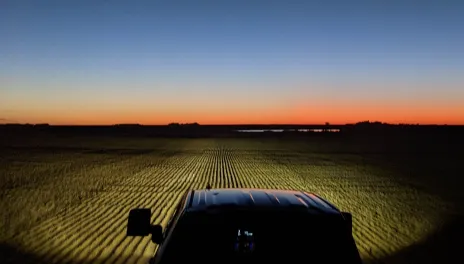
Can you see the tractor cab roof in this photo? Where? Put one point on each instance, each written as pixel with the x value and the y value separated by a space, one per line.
pixel 258 199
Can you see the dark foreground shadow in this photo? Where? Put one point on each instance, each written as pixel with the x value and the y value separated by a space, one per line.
pixel 10 254
pixel 443 246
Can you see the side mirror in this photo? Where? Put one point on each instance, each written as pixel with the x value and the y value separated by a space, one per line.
pixel 349 220
pixel 157 234
pixel 139 222
pixel 139 225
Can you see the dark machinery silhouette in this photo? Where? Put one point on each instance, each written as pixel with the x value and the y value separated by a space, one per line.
pixel 250 226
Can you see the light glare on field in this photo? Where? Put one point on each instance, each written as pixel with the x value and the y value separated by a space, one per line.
pixel 387 216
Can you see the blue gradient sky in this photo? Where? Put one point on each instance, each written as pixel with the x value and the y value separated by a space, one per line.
pixel 105 62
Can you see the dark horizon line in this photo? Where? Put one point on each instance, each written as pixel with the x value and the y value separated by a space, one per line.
pixel 221 125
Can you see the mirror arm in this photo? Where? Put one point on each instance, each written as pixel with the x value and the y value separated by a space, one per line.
pixel 157 235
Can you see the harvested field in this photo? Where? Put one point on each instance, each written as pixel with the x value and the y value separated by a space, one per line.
pixel 67 200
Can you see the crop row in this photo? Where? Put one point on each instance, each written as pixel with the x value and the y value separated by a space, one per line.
pixel 387 215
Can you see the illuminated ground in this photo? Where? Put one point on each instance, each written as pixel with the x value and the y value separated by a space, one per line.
pixel 71 204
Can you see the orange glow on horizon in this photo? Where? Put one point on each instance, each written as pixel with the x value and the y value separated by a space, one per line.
pixel 286 102
pixel 315 114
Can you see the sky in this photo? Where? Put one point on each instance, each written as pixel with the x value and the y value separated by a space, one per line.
pixel 231 62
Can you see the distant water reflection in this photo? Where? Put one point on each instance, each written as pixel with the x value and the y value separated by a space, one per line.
pixel 286 130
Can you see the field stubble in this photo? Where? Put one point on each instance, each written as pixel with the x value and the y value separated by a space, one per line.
pixel 72 206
